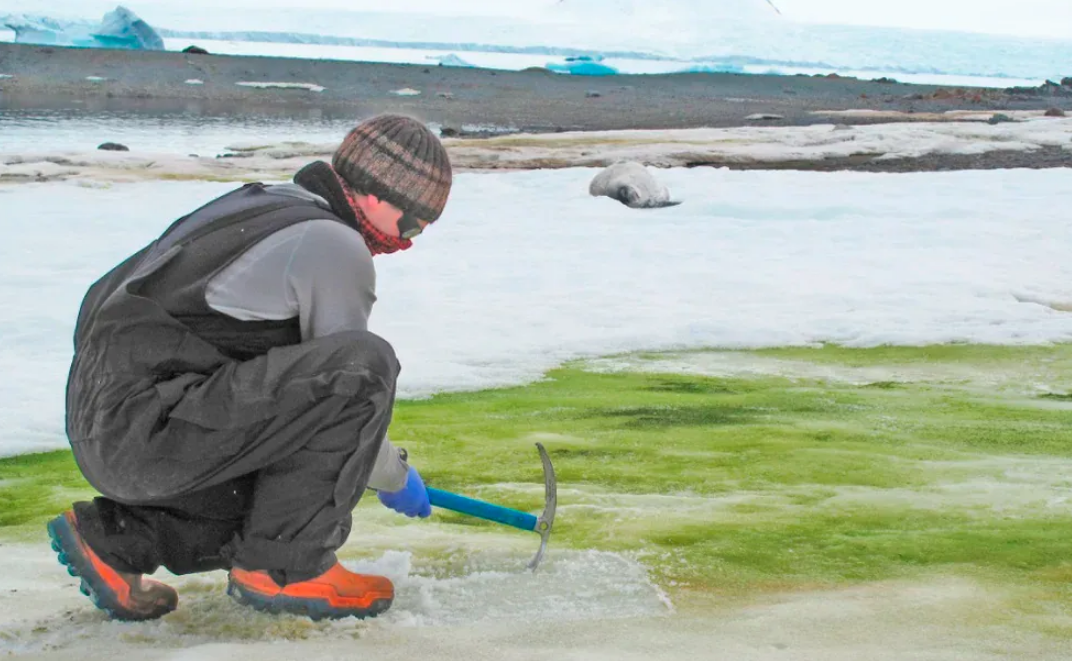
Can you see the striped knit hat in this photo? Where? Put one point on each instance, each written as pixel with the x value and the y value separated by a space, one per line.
pixel 399 160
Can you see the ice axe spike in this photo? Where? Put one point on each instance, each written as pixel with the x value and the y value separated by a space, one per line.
pixel 539 524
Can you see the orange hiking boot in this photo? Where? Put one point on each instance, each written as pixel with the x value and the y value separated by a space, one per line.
pixel 123 596
pixel 337 593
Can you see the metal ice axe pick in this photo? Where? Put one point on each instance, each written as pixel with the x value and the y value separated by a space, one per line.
pixel 539 524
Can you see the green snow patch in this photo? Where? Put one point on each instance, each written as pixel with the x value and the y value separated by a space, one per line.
pixel 735 476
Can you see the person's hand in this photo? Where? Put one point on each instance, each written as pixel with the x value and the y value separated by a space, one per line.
pixel 411 500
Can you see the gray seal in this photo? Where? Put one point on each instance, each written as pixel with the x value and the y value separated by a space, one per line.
pixel 633 185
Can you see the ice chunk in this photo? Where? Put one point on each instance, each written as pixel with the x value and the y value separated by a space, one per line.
pixel 44 30
pixel 120 28
pixel 583 65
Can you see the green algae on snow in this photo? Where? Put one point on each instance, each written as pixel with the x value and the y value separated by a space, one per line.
pixel 755 481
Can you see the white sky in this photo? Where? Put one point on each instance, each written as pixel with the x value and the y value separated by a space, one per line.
pixel 1042 18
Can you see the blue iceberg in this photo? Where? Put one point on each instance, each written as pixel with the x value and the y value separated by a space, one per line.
pixel 120 28
pixel 583 65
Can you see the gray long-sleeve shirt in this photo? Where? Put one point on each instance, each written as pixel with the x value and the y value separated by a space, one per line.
pixel 319 271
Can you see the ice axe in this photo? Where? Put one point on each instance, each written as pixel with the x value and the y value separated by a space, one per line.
pixel 511 517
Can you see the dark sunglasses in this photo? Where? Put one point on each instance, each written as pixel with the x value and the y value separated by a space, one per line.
pixel 409 226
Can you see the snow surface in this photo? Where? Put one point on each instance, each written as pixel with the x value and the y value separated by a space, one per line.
pixel 526 270
pixel 480 581
pixel 675 37
pixel 587 607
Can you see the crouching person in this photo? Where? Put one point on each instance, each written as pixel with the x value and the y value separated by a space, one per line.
pixel 227 400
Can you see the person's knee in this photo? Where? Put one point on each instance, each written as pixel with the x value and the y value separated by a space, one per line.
pixel 366 353
pixel 379 355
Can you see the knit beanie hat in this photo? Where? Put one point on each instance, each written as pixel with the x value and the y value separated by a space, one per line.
pixel 399 160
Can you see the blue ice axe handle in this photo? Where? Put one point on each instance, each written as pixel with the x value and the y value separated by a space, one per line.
pixel 539 524
pixel 482 510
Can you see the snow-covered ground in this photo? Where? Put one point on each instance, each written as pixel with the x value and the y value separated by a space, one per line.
pixel 526 270
pixel 636 37
pixel 506 615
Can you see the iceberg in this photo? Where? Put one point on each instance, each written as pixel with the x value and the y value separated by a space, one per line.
pixel 583 65
pixel 120 28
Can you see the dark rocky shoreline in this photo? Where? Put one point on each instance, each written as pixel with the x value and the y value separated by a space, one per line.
pixel 469 100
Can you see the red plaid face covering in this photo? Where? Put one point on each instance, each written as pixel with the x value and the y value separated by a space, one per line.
pixel 377 241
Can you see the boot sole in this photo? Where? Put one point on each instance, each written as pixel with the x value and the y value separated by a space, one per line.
pixel 65 543
pixel 315 609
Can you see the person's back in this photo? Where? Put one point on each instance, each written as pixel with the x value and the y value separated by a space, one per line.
pixel 227 399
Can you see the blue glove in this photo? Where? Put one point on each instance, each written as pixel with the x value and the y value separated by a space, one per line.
pixel 411 500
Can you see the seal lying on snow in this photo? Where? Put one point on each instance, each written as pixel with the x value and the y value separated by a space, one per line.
pixel 631 184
